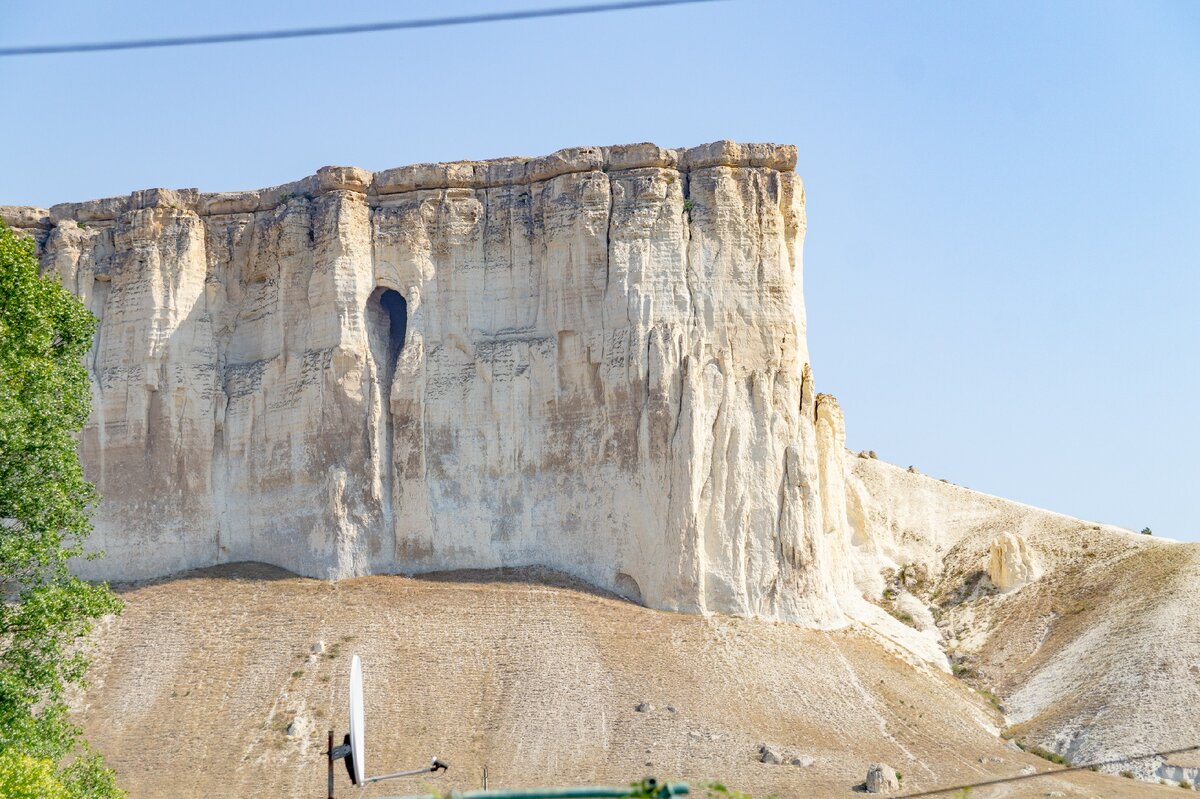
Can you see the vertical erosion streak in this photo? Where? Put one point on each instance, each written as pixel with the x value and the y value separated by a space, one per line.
pixel 387 325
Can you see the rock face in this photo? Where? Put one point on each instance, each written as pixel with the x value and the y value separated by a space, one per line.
pixel 593 361
pixel 881 778
pixel 1011 563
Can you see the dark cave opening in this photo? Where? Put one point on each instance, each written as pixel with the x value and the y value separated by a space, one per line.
pixel 396 308
pixel 387 327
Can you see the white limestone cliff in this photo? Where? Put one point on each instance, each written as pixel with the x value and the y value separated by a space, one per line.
pixel 593 361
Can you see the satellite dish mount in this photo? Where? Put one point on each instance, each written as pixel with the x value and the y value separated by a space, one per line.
pixel 352 749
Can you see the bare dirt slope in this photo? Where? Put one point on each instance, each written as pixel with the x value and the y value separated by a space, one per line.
pixel 1094 656
pixel 206 686
pixel 1100 657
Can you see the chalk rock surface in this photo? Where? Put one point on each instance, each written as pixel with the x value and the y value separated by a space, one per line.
pixel 593 361
pixel 881 778
pixel 1011 563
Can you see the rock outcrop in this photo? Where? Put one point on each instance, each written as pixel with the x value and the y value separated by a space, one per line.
pixel 881 778
pixel 1011 563
pixel 593 361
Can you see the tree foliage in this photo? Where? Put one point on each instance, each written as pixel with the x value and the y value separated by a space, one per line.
pixel 45 400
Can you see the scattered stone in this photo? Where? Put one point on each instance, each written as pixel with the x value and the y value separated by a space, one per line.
pixel 1054 793
pixel 881 778
pixel 1027 770
pixel 913 470
pixel 644 707
pixel 776 756
pixel 871 454
pixel 699 736
pixel 318 648
pixel 670 709
pixel 769 754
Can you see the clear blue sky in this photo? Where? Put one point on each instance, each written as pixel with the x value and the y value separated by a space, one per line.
pixel 1003 261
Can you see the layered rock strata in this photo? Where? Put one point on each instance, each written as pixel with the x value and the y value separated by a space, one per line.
pixel 593 361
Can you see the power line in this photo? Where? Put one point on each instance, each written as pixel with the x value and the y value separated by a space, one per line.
pixel 338 30
pixel 1035 775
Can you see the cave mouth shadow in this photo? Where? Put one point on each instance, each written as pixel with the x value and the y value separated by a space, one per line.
pixel 387 317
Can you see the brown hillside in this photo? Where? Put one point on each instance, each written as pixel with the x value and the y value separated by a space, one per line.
pixel 206 686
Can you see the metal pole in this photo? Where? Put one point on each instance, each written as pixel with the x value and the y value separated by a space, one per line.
pixel 398 774
pixel 329 758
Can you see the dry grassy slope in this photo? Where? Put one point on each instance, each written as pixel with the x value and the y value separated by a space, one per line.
pixel 1097 659
pixel 195 685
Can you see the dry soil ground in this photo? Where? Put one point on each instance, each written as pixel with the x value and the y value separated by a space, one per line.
pixel 207 686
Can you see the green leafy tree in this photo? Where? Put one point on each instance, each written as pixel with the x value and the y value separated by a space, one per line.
pixel 44 401
pixel 26 777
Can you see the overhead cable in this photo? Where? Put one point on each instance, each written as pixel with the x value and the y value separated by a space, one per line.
pixel 339 30
pixel 1051 773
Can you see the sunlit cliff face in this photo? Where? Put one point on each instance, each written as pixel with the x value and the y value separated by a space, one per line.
pixel 593 361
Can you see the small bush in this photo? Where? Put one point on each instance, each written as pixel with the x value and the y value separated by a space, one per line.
pixel 1147 531
pixel 1127 775
pixel 689 204
pixel 1045 754
pixel 711 790
pixel 991 697
pixel 1185 785
pixel 961 670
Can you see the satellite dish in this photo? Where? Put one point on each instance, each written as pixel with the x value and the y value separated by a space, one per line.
pixel 356 763
pixel 352 746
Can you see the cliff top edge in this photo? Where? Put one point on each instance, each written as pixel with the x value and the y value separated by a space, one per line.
pixel 417 177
